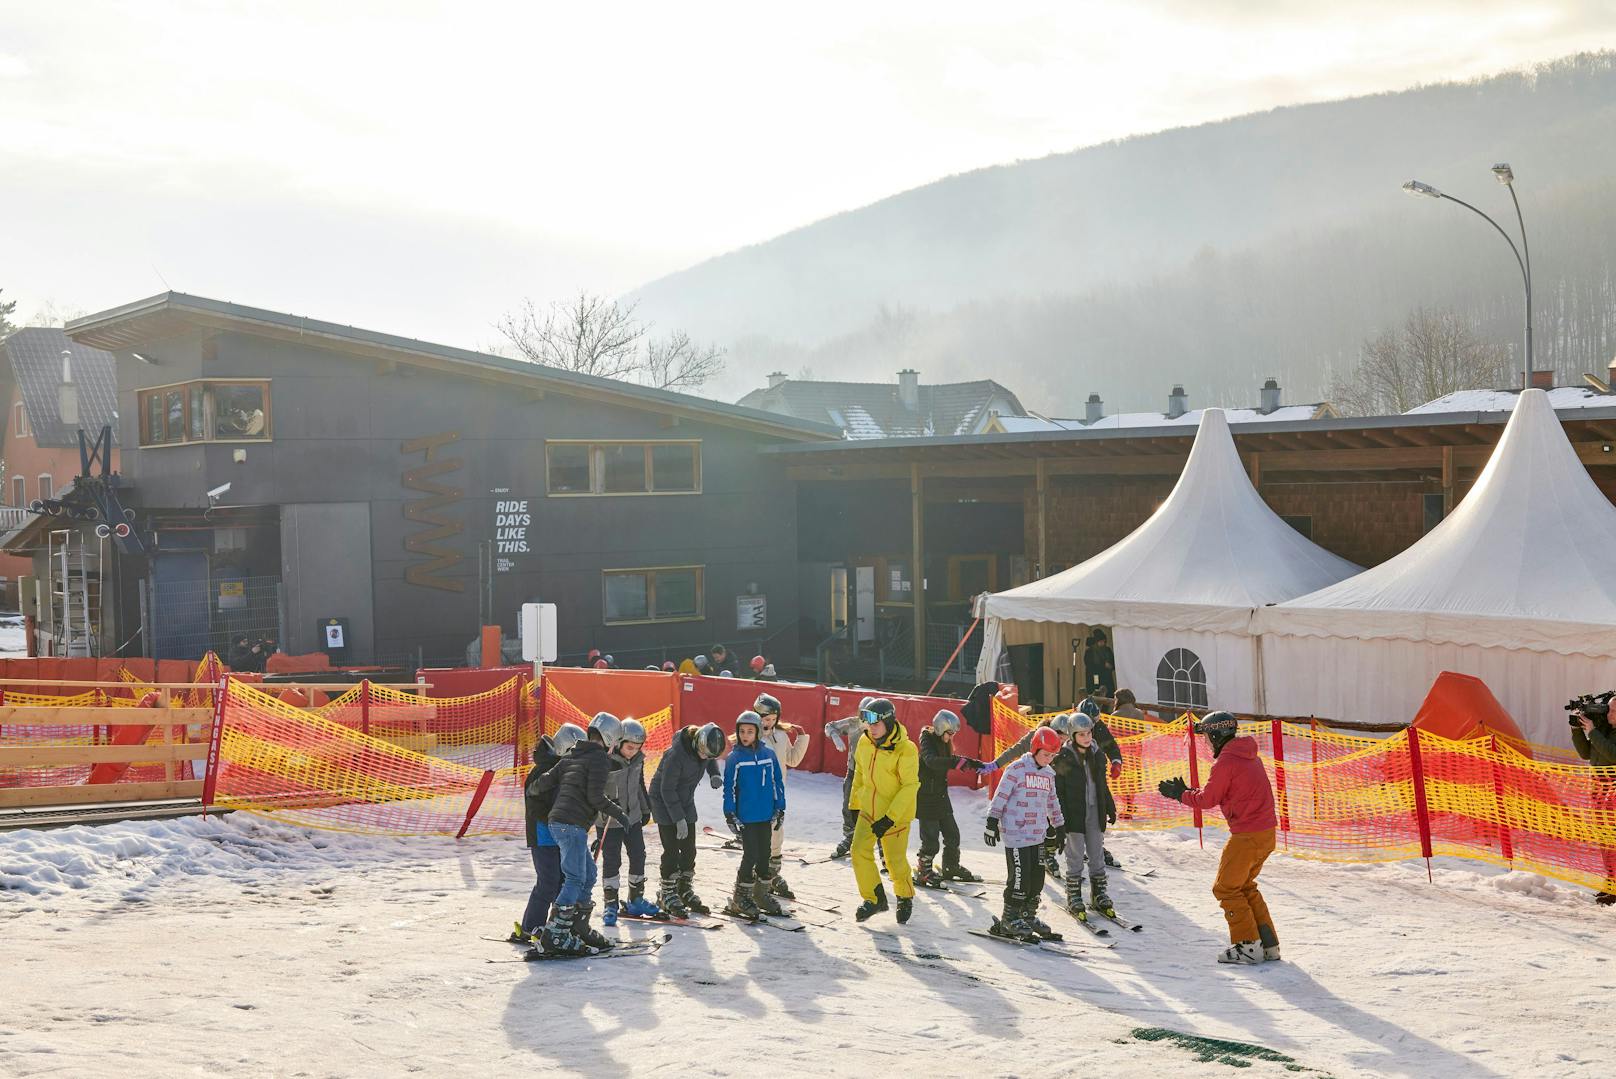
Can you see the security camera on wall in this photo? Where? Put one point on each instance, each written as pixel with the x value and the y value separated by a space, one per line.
pixel 218 493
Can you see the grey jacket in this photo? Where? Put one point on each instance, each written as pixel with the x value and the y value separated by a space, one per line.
pixel 673 788
pixel 626 787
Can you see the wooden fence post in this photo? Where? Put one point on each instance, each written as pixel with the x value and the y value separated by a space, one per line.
pixel 364 706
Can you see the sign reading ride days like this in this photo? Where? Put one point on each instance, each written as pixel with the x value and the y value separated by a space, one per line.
pixel 511 522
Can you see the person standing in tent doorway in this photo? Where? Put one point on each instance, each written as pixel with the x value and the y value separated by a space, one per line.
pixel 1238 786
pixel 1100 665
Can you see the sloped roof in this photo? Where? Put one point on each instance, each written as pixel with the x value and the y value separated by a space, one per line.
pixel 874 409
pixel 1209 554
pixel 35 358
pixel 1192 418
pixel 1524 561
pixel 1504 400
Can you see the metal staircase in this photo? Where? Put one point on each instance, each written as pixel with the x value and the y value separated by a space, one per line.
pixel 75 592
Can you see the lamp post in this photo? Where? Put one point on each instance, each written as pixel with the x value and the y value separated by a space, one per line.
pixel 1506 176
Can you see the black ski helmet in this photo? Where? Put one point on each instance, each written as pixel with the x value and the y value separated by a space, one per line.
pixel 879 710
pixel 1220 729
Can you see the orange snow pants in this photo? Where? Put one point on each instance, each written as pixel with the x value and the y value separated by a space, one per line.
pixel 1236 886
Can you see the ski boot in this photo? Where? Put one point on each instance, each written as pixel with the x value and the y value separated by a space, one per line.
pixel 1110 862
pixel 740 904
pixel 520 935
pixel 592 937
pixel 1098 898
pixel 906 907
pixel 845 847
pixel 608 914
pixel 558 937
pixel 927 877
pixel 1074 895
pixel 687 893
pixel 1010 926
pixel 871 907
pixel 1051 863
pixel 1606 899
pixel 765 903
pixel 955 871
pixel 669 900
pixel 1029 918
pixel 1244 953
pixel 777 883
pixel 641 907
pixel 1270 943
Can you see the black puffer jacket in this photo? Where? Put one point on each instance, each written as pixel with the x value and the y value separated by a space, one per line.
pixel 673 788
pixel 937 758
pixel 536 805
pixel 579 782
pixel 1072 791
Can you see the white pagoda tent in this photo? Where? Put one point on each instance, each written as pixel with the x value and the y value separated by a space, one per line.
pixel 1177 594
pixel 1516 587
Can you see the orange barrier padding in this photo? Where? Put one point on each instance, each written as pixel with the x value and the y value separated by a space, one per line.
pixel 704 699
pixel 305 663
pixel 1460 706
pixel 622 693
pixel 465 681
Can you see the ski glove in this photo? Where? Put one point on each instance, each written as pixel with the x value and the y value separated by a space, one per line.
pixel 1172 789
pixel 989 768
pixel 970 764
pixel 681 829
pixel 734 823
pixel 715 781
pixel 594 848
pixel 991 835
pixel 1116 769
pixel 881 827
pixel 1052 834
pixel 780 819
pixel 1111 818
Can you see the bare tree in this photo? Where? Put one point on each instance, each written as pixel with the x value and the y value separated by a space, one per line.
pixel 596 336
pixel 1434 353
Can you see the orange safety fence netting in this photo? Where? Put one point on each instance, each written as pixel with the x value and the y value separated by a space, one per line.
pixel 1350 798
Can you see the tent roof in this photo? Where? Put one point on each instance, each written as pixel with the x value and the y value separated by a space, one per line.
pixel 1525 561
pixel 1209 554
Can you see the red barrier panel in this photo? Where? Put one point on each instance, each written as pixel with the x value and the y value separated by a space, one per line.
pixel 468 681
pixel 913 712
pixel 719 700
pixel 622 693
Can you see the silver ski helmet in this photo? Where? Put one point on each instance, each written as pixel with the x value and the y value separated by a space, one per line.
pixel 633 731
pixel 609 727
pixel 565 737
pixel 745 718
pixel 709 741
pixel 767 704
pixel 945 723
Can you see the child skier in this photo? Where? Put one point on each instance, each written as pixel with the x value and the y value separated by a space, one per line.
pixel 755 807
pixel 626 787
pixel 1239 786
pixel 1086 803
pixel 579 783
pixel 790 744
pixel 845 735
pixel 933 806
pixel 541 844
pixel 1024 811
pixel 673 806
pixel 888 782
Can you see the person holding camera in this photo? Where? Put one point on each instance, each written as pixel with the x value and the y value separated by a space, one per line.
pixel 1595 742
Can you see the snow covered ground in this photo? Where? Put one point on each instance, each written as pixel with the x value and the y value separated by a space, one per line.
pixel 234 946
pixel 13 639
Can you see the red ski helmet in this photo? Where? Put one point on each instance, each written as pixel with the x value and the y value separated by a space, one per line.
pixel 1046 740
pixel 757 664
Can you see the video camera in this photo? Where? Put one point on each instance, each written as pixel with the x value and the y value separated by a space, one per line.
pixel 1596 706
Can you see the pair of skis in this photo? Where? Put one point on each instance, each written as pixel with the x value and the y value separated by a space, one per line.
pixel 623 949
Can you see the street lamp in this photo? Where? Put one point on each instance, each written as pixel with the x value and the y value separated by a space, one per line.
pixel 1505 176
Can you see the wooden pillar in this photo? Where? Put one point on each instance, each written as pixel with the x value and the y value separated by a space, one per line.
pixel 1254 466
pixel 917 565
pixel 1043 518
pixel 1447 480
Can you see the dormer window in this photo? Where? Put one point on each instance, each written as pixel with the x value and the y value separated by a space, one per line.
pixel 212 410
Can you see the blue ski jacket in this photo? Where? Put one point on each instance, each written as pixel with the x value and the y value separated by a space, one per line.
pixel 754 785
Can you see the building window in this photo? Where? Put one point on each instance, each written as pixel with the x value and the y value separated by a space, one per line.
pixel 47 489
pixel 1303 523
pixel 20 425
pixel 623 468
pixel 19 491
pixel 1181 680
pixel 663 594
pixel 206 411
pixel 1434 505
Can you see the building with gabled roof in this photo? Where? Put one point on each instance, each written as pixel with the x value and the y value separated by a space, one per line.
pixel 904 409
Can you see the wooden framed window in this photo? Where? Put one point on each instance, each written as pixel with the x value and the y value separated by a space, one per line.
pixel 20 424
pixel 19 491
pixel 208 410
pixel 653 594
pixel 623 468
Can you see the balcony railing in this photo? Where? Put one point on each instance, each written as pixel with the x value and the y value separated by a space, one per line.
pixel 14 517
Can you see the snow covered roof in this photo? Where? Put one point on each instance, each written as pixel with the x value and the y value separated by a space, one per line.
pixel 1192 418
pixel 1523 562
pixel 1209 554
pixel 1504 400
pixel 877 410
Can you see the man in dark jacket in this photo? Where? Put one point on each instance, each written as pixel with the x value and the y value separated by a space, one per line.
pixel 695 751
pixel 1100 665
pixel 579 783
pixel 541 845
pixel 1595 742
pixel 933 807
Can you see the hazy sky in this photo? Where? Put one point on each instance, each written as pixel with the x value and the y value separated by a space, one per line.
pixel 419 168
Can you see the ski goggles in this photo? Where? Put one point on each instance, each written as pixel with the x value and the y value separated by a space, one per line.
pixel 871 717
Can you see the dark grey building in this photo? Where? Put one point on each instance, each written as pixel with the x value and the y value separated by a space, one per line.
pixel 416 491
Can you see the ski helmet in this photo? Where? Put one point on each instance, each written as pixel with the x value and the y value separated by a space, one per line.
pixel 1063 723
pixel 667 665
pixel 748 717
pixel 565 737
pixel 726 673
pixel 1220 729
pixel 700 663
pixel 757 664
pixel 1079 723
pixel 601 665
pixel 709 741
pixel 767 704
pixel 879 710
pixel 945 723
pixel 633 731
pixel 1045 740
pixel 609 727
pixel 1090 707
pixel 652 667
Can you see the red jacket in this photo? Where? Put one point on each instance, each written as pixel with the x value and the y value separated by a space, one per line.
pixel 1238 786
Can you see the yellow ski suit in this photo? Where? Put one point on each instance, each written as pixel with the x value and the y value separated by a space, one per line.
pixel 885 784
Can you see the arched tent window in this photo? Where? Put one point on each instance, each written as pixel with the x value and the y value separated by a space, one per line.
pixel 1180 679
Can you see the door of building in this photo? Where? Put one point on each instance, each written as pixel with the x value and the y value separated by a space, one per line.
pixel 179 622
pixel 838 597
pixel 864 602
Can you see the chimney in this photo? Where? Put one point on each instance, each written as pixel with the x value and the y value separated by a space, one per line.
pixel 909 389
pixel 1178 403
pixel 1610 375
pixel 775 378
pixel 67 394
pixel 1093 409
pixel 1270 396
pixel 1543 380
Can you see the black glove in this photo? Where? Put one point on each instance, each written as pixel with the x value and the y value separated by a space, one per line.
pixel 734 824
pixel 780 819
pixel 970 764
pixel 646 820
pixel 1110 818
pixel 881 827
pixel 594 848
pixel 1052 835
pixel 1172 789
pixel 991 835
pixel 716 781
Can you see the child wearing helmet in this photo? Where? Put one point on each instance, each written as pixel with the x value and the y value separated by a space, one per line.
pixel 579 783
pixel 541 845
pixel 626 787
pixel 754 806
pixel 694 752
pixel 845 735
pixel 1086 803
pixel 933 807
pixel 886 786
pixel 1024 812
pixel 790 745
pixel 1239 786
